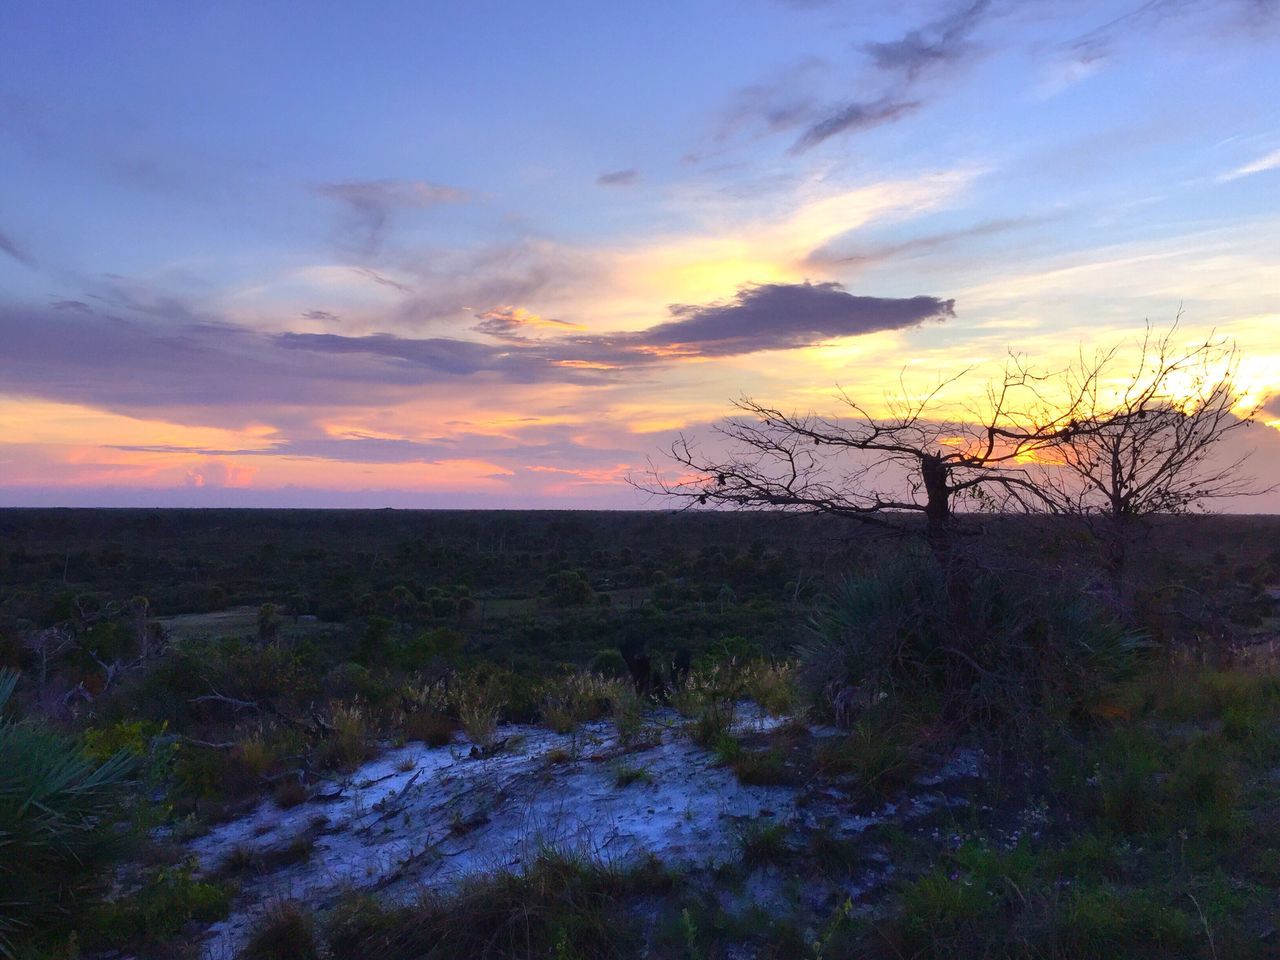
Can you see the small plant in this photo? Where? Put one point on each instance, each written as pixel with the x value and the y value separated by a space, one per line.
pixel 478 712
pixel 625 774
pixel 628 713
pixel 168 900
pixel 771 686
pixel 577 698
pixel 880 755
pixel 559 755
pixel 348 746
pixel 290 792
pixel 763 843
pixel 762 768
pixel 284 931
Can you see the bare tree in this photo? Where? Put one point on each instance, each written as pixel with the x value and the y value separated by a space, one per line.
pixel 1149 439
pixel 1096 440
pixel 889 470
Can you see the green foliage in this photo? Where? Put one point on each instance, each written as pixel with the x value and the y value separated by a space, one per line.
pixel 879 752
pixel 979 648
pixel 762 768
pixel 567 588
pixel 167 901
pixel 56 835
pixel 763 843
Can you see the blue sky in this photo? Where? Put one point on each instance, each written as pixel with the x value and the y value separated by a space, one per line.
pixel 427 253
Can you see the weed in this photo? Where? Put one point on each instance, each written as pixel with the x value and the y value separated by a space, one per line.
pixel 478 711
pixel 290 792
pixel 762 843
pixel 284 931
pixel 762 768
pixel 624 775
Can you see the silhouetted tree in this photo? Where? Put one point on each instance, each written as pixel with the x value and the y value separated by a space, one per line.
pixel 918 460
pixel 1149 439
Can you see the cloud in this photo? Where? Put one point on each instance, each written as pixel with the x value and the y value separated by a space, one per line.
pixel 941 42
pixel 1270 162
pixel 322 315
pixel 213 372
pixel 217 473
pixel 618 178
pixel 10 247
pixel 509 323
pixel 901 63
pixel 923 244
pixel 778 316
pixel 849 117
pixel 370 204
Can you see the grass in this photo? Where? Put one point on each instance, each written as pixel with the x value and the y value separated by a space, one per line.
pixel 625 775
pixel 763 843
pixel 285 931
pixel 562 906
pixel 762 768
pixel 880 754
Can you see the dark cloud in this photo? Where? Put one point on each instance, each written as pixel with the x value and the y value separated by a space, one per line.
pixel 382 280
pixel 434 358
pixel 10 247
pixel 219 373
pixel 898 68
pixel 942 42
pixel 618 178
pixel 779 316
pixel 369 204
pixel 849 117
pixel 322 315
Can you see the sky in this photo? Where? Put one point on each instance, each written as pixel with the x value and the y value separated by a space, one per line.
pixel 428 254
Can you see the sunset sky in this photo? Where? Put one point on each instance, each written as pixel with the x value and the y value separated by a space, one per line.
pixel 496 254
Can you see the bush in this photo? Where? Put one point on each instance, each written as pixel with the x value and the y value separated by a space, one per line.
pixel 978 648
pixel 167 901
pixel 284 931
pixel 55 830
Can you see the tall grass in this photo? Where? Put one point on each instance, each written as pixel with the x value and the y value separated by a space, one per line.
pixel 55 835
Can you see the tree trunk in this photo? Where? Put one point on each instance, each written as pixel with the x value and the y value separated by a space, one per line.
pixel 939 521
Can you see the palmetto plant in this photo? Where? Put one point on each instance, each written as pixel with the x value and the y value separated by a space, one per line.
pixel 54 820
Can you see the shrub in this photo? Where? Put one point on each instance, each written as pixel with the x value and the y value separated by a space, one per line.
pixel 290 792
pixel 577 698
pixel 763 843
pixel 762 768
pixel 348 745
pixel 284 931
pixel 770 686
pixel 978 647
pixel 478 711
pixel 167 901
pixel 55 830
pixel 433 729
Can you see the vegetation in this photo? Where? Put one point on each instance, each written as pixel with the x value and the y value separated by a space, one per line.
pixel 1127 803
pixel 55 828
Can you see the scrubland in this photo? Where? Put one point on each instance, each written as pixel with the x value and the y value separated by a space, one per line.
pixel 398 735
